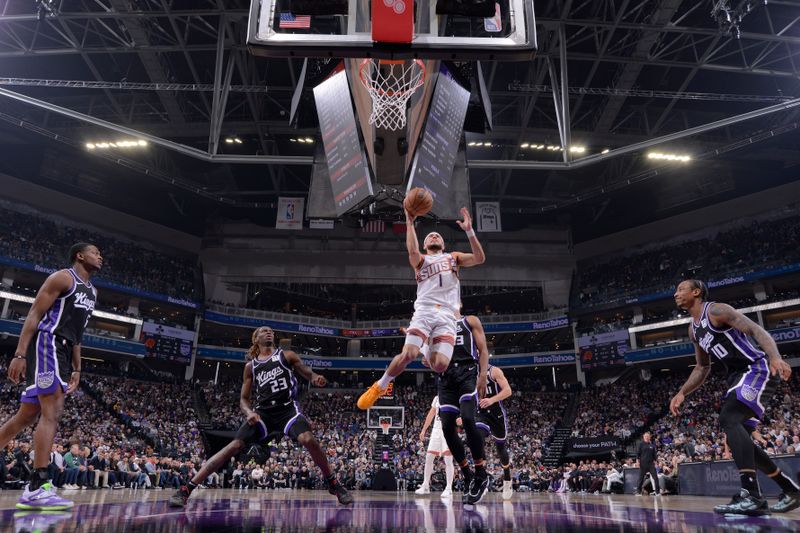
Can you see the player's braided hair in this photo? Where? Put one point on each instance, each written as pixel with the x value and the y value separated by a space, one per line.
pixel 252 353
pixel 698 284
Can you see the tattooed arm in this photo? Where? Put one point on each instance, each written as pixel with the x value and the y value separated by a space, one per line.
pixel 723 315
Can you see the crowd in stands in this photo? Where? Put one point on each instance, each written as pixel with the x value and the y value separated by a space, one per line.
pixel 119 432
pixel 756 245
pixel 621 410
pixel 342 431
pixel 44 241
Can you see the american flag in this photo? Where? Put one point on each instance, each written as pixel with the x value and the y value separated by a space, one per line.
pixel 290 20
pixel 374 226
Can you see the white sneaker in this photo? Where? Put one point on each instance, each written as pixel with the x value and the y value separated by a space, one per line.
pixel 508 490
pixel 447 493
pixel 423 489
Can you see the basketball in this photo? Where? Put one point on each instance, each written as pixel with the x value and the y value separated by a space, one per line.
pixel 418 202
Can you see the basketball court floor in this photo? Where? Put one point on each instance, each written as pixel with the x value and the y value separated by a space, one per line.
pixel 289 510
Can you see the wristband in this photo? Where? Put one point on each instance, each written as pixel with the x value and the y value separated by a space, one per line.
pixel 17 356
pixel 470 233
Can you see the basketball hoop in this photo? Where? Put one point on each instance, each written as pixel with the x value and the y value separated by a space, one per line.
pixel 385 424
pixel 390 84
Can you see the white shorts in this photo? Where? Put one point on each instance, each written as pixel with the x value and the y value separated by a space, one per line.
pixel 436 324
pixel 437 444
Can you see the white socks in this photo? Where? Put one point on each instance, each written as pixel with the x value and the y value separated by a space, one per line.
pixel 426 479
pixel 450 470
pixel 385 380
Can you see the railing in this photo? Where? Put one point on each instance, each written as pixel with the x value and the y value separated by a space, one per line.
pixel 370 324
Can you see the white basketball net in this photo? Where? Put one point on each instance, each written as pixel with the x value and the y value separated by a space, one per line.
pixel 390 85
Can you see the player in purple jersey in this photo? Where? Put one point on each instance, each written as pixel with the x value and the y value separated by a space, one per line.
pixel 720 330
pixel 49 356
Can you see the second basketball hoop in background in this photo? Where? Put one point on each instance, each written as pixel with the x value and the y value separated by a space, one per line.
pixel 390 84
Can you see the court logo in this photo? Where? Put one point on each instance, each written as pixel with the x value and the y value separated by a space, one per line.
pixel 45 379
pixel 749 393
pixel 399 6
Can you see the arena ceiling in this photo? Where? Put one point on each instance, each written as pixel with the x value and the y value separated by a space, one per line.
pixel 637 70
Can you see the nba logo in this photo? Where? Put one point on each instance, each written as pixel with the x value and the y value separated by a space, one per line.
pixel 494 24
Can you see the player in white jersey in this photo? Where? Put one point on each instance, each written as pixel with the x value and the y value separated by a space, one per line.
pixel 438 301
pixel 436 446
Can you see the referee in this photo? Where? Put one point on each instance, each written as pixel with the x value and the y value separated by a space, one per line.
pixel 647 462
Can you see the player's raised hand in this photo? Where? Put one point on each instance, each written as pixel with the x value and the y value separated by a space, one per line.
pixel 780 367
pixel 409 217
pixel 465 224
pixel 318 380
pixel 675 403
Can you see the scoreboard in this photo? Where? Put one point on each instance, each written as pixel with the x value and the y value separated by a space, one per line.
pixel 167 343
pixel 438 150
pixel 603 349
pixel 348 169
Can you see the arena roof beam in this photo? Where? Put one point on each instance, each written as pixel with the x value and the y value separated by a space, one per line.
pixel 630 72
pixel 152 63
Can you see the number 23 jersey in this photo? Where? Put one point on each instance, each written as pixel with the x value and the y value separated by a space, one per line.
pixel 274 382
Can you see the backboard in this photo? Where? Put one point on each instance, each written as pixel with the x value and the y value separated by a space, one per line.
pixel 396 414
pixel 442 29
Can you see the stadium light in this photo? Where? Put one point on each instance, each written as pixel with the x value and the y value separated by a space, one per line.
pixel 682 158
pixel 97 314
pixel 605 151
pixel 125 143
pixel 577 149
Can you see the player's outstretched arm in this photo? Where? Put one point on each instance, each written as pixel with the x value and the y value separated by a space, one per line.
pixel 505 389
pixel 483 353
pixel 297 365
pixel 725 315
pixel 427 423
pixel 477 257
pixel 56 284
pixel 244 395
pixel 412 242
pixel 695 379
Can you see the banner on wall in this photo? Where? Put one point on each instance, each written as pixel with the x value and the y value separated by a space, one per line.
pixel 488 216
pixel 290 213
pixel 592 445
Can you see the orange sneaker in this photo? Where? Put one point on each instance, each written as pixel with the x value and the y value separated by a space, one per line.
pixel 371 396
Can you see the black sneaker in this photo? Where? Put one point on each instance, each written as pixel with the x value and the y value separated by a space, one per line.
pixel 467 486
pixel 744 503
pixel 477 490
pixel 786 503
pixel 344 497
pixel 180 497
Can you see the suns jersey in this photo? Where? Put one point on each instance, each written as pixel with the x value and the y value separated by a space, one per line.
pixel 437 421
pixel 438 283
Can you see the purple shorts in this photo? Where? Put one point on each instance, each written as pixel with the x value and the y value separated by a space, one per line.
pixel 754 388
pixel 49 365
